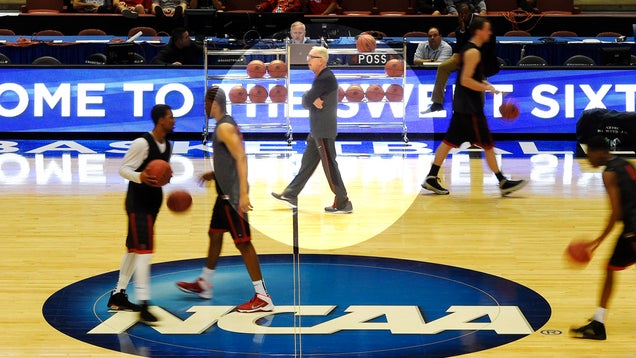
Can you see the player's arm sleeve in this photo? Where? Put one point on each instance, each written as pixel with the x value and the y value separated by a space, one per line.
pixel 136 154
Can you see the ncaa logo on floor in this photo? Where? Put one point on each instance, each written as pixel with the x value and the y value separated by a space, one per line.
pixel 350 306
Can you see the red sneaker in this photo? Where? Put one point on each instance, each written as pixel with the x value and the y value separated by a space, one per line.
pixel 199 287
pixel 259 303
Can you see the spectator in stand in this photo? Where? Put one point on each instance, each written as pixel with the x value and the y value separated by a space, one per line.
pixel 476 6
pixel 322 7
pixel 180 50
pixel 434 50
pixel 95 6
pixel 279 6
pixel 430 7
pixel 297 33
pixel 131 8
pixel 528 6
pixel 173 8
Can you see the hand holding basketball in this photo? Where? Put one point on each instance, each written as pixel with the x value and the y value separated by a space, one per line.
pixel 509 110
pixel 157 173
pixel 579 252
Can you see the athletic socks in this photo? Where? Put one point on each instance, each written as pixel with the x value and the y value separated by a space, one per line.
pixel 434 170
pixel 500 176
pixel 259 287
pixel 600 313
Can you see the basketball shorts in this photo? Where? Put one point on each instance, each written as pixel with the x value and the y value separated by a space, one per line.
pixel 624 253
pixel 471 128
pixel 226 219
pixel 141 235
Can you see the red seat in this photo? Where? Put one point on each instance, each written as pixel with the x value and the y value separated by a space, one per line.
pixel 517 33
pixel 92 32
pixel 145 31
pixel 564 33
pixel 49 33
pixel 46 6
pixel 356 7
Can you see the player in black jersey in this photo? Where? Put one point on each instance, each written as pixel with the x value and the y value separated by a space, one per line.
pixel 231 206
pixel 469 123
pixel 143 201
pixel 619 178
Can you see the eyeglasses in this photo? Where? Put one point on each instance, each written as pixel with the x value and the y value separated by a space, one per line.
pixel 309 57
pixel 433 35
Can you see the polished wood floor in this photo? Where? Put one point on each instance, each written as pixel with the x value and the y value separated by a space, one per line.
pixel 58 231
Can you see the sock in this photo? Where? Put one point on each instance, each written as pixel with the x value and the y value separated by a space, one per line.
pixel 500 176
pixel 434 171
pixel 142 277
pixel 259 287
pixel 207 274
pixel 600 313
pixel 126 271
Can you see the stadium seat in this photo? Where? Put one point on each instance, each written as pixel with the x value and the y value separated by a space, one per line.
pixel 415 34
pixel 46 6
pixel 96 59
pixel 579 60
pixel 564 33
pixel 517 33
pixel 532 60
pixel 608 34
pixel 92 32
pixel 47 61
pixel 4 60
pixel 356 7
pixel 241 5
pixel 7 32
pixel 49 33
pixel 145 31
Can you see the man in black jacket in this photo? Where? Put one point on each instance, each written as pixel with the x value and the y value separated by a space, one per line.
pixel 180 50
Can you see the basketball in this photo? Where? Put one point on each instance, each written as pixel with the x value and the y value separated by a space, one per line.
pixel 256 69
pixel 238 94
pixel 365 43
pixel 278 94
pixel 394 68
pixel 509 111
pixel 179 201
pixel 258 94
pixel 394 93
pixel 354 93
pixel 277 69
pixel 374 93
pixel 579 251
pixel 161 170
pixel 341 94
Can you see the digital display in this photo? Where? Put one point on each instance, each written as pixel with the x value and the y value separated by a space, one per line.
pixel 119 99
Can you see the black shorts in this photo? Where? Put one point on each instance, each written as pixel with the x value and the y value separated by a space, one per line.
pixel 471 128
pixel 141 233
pixel 624 253
pixel 225 218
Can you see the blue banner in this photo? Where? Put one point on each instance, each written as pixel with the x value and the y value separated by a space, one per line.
pixel 119 99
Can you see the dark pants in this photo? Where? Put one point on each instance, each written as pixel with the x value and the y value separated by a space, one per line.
pixel 319 150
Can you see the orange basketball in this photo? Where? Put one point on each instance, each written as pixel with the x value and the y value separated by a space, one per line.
pixel 238 94
pixel 256 69
pixel 278 94
pixel 365 43
pixel 354 93
pixel 579 251
pixel 258 94
pixel 179 201
pixel 277 69
pixel 161 170
pixel 374 93
pixel 394 68
pixel 341 94
pixel 394 93
pixel 509 111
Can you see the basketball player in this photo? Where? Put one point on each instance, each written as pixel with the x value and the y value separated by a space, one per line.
pixel 231 206
pixel 322 102
pixel 143 201
pixel 469 123
pixel 619 178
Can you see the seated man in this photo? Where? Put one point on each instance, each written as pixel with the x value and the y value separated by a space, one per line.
pixel 297 34
pixel 434 50
pixel 279 6
pixel 475 6
pixel 430 7
pixel 174 8
pixel 131 8
pixel 180 50
pixel 323 7
pixel 91 6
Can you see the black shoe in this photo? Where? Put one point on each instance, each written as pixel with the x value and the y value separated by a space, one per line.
pixel 129 14
pixel 292 202
pixel 508 186
pixel 432 183
pixel 159 12
pixel 592 330
pixel 145 316
pixel 346 209
pixel 436 107
pixel 119 302
pixel 178 13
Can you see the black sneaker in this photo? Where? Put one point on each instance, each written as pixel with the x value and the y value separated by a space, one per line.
pixel 508 186
pixel 178 13
pixel 129 14
pixel 145 316
pixel 436 107
pixel 119 302
pixel 292 202
pixel 432 183
pixel 347 209
pixel 592 330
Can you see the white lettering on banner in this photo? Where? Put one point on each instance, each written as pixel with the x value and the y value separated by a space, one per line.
pixel 630 96
pixel 382 148
pixel 121 147
pixel 61 95
pixel 138 90
pixel 398 320
pixel 545 164
pixel 14 176
pixel 596 98
pixel 62 146
pixel 551 103
pixel 84 100
pixel 188 98
pixel 22 99
pixel 9 147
